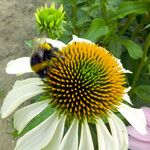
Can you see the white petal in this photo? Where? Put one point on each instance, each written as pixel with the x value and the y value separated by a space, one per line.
pixel 105 140
pixel 23 116
pixel 19 66
pixel 39 137
pixel 55 142
pixel 120 65
pixel 119 132
pixel 126 71
pixel 86 142
pixel 70 140
pixel 134 116
pixel 127 89
pixel 127 98
pixel 76 39
pixel 21 83
pixel 22 90
pixel 56 43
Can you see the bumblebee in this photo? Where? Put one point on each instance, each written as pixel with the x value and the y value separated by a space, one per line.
pixel 41 58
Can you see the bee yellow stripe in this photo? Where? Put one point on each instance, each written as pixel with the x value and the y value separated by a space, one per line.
pixel 45 46
pixel 40 66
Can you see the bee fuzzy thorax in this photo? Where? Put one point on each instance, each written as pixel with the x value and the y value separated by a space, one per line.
pixel 42 58
pixel 45 46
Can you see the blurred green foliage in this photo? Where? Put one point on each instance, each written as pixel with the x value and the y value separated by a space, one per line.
pixel 2 93
pixel 123 28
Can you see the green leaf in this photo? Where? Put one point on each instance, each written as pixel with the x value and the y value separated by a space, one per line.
pixel 143 92
pixel 147 26
pixel 82 18
pixel 81 1
pixel 37 120
pixel 92 9
pixel 29 43
pixel 129 7
pixel 134 50
pixel 96 30
pixel 115 47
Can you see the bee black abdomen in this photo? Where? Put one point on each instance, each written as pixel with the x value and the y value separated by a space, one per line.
pixel 35 59
pixel 37 65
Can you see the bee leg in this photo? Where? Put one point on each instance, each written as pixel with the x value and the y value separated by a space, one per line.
pixel 57 55
pixel 41 73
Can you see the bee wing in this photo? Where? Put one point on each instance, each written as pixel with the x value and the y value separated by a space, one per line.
pixel 37 42
pixel 40 54
pixel 56 55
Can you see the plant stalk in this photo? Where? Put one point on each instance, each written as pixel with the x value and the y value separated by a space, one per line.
pixel 140 26
pixel 75 30
pixel 141 64
pixel 128 22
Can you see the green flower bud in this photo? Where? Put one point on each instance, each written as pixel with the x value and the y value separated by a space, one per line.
pixel 50 20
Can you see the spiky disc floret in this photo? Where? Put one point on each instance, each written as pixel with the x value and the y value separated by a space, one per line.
pixel 87 83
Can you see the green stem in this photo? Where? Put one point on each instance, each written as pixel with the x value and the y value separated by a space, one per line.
pixel 75 30
pixel 104 11
pixel 141 64
pixel 140 26
pixel 129 20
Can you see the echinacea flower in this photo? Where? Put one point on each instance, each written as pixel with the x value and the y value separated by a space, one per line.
pixel 50 20
pixel 138 141
pixel 86 87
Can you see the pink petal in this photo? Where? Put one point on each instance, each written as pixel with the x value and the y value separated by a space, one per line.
pixel 132 132
pixel 147 115
pixel 135 144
